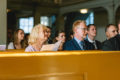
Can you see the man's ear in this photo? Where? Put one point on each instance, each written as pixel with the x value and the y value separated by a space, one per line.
pixel 107 34
pixel 75 30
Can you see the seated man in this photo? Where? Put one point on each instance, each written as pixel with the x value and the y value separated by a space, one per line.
pixel 111 31
pixel 91 36
pixel 78 42
pixel 112 43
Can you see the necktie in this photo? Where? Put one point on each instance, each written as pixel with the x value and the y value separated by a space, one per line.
pixel 94 45
pixel 83 45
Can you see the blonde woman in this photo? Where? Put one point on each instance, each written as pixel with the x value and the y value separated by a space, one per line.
pixel 37 38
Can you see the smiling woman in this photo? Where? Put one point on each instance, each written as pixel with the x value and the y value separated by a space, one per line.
pixel 18 38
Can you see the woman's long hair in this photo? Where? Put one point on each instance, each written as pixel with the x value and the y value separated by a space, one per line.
pixel 15 38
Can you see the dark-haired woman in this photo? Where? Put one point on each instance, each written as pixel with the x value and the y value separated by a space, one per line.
pixel 18 40
pixel 60 39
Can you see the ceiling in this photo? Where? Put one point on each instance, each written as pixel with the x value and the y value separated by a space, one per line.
pixel 23 7
pixel 42 3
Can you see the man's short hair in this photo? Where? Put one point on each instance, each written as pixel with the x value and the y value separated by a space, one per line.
pixel 76 23
pixel 109 26
pixel 90 26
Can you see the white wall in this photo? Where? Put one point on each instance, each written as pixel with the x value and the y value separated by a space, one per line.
pixel 101 20
pixel 3 22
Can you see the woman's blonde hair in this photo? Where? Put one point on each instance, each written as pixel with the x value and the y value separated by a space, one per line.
pixel 34 35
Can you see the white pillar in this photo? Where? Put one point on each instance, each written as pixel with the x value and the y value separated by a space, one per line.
pixel 111 14
pixel 117 4
pixel 3 21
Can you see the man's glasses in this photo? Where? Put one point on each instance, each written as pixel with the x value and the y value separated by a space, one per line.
pixel 84 29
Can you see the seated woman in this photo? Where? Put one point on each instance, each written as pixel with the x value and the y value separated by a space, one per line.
pixel 59 39
pixel 18 40
pixel 37 38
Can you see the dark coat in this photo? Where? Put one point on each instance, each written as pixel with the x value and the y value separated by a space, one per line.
pixel 112 44
pixel 73 45
pixel 98 44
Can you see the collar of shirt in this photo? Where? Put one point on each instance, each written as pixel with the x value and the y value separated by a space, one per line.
pixel 78 41
pixel 92 41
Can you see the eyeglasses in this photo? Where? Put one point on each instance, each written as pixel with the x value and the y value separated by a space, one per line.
pixel 84 29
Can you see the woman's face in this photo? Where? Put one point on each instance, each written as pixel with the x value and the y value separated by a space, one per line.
pixel 43 34
pixel 61 37
pixel 20 35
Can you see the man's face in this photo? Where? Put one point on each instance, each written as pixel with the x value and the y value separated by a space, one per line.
pixel 81 30
pixel 92 31
pixel 111 32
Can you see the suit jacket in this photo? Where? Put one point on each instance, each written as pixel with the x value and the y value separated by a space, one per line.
pixel 73 45
pixel 111 44
pixel 98 43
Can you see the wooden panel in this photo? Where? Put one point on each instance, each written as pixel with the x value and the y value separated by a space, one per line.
pixel 63 65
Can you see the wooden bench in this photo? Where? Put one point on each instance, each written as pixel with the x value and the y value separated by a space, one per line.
pixel 60 65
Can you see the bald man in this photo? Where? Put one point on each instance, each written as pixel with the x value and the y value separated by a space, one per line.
pixel 111 31
pixel 113 43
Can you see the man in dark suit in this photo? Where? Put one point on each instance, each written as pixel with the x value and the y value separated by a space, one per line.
pixel 113 40
pixel 113 44
pixel 91 36
pixel 78 42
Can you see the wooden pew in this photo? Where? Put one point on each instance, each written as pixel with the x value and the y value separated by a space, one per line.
pixel 15 50
pixel 61 65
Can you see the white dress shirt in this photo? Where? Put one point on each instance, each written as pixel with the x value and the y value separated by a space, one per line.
pixel 93 42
